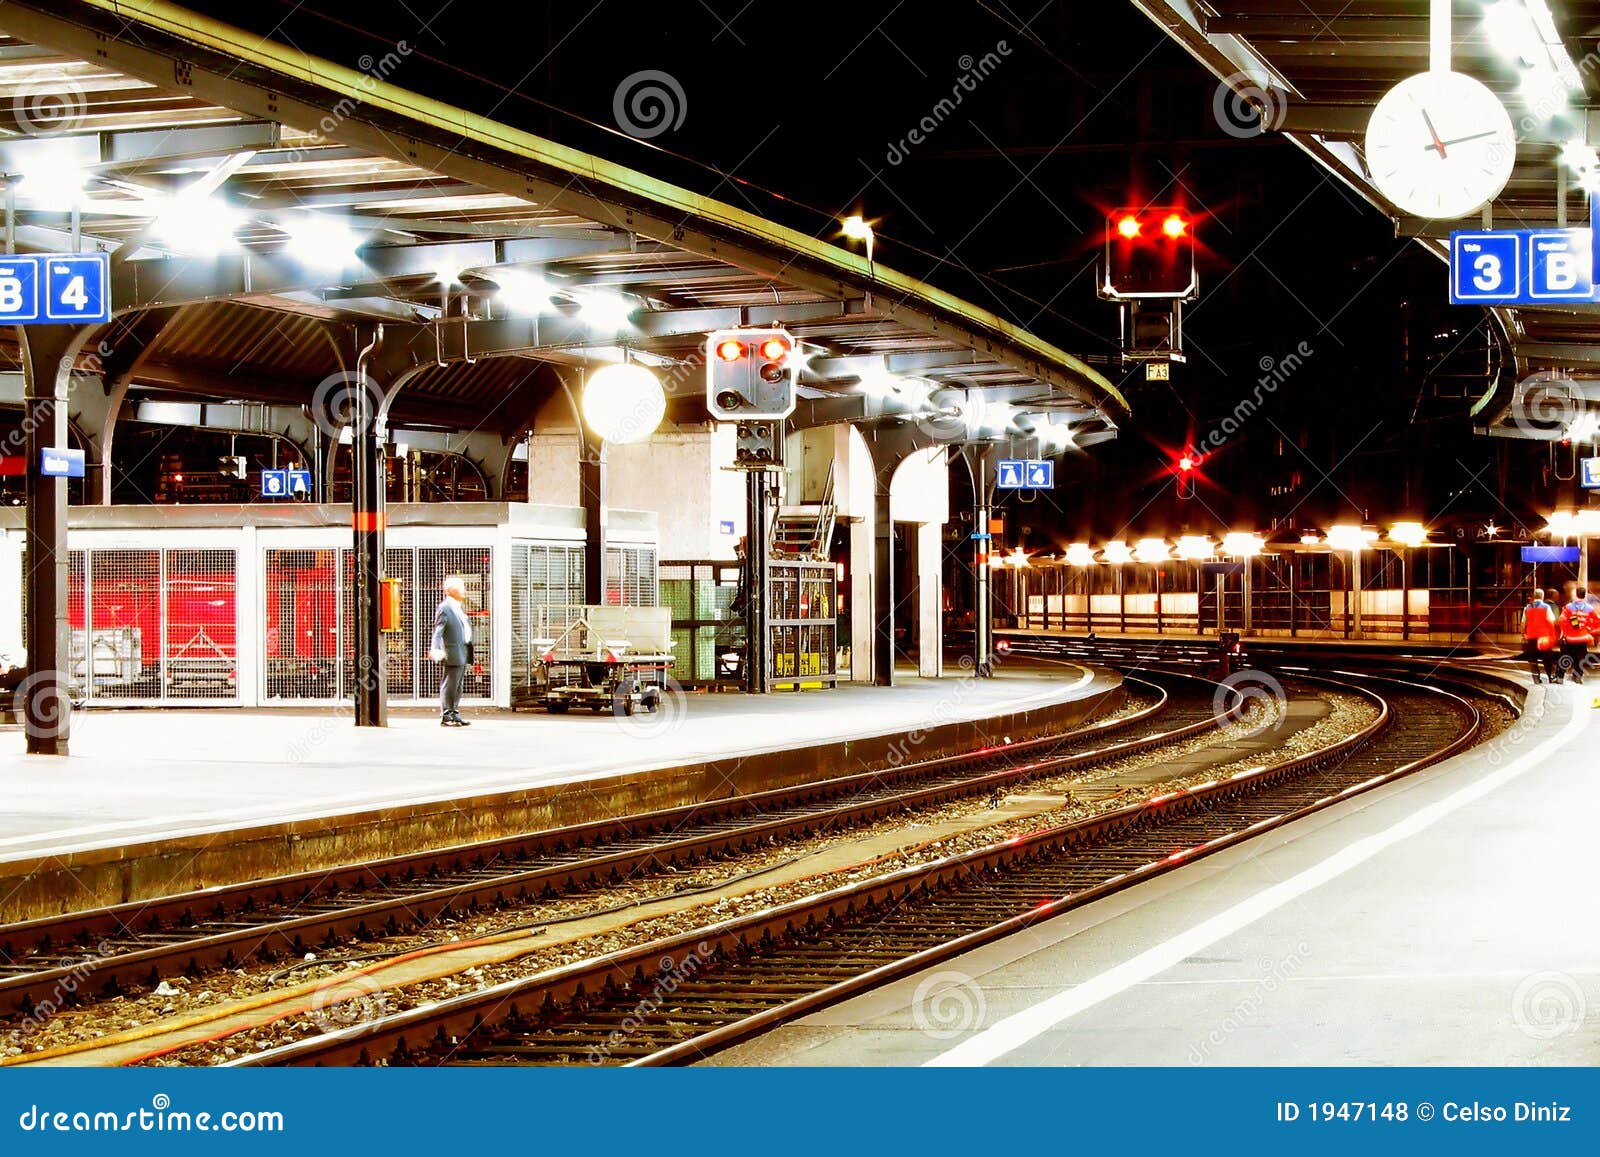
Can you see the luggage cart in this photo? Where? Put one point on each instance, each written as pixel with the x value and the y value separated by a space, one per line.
pixel 608 659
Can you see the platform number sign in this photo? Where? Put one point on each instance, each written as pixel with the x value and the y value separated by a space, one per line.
pixel 1025 474
pixel 55 289
pixel 1589 475
pixel 1521 267
pixel 285 483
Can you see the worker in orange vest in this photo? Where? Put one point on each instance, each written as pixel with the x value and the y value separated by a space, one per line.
pixel 1540 636
pixel 1578 623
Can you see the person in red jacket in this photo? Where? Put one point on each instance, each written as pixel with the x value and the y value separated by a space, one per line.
pixel 1578 623
pixel 1540 636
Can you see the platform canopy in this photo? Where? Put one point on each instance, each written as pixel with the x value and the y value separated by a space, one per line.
pixel 336 200
pixel 1317 68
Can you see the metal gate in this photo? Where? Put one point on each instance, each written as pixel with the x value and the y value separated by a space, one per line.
pixel 310 622
pixel 153 625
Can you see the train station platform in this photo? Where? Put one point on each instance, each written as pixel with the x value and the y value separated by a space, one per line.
pixel 1444 919
pixel 158 801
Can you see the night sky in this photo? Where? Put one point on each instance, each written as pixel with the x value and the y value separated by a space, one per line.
pixel 806 112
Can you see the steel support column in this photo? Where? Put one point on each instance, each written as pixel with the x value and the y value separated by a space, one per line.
pixel 47 358
pixel 979 462
pixel 757 584
pixel 367 513
pixel 592 497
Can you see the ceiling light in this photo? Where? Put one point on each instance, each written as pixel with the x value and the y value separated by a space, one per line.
pixel 1080 554
pixel 320 241
pixel 1151 550
pixel 1408 534
pixel 197 223
pixel 623 403
pixel 1116 551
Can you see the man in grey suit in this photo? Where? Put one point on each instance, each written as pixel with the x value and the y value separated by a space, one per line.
pixel 451 648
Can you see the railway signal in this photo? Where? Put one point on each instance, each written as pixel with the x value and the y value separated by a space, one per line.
pixel 1183 470
pixel 750 373
pixel 1149 253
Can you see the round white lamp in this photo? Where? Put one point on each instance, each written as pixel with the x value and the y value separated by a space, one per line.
pixel 623 403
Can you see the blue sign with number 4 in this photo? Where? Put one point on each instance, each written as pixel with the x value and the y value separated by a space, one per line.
pixel 55 289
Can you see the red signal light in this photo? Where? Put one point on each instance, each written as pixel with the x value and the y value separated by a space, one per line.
pixel 729 350
pixel 1128 227
pixel 774 348
pixel 1174 225
pixel 1186 463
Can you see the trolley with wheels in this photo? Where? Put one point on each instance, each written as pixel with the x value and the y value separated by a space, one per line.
pixel 612 659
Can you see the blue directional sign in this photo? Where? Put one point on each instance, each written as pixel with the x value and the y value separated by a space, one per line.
pixel 274 483
pixel 725 525
pixel 1025 474
pixel 55 463
pixel 1551 554
pixel 19 290
pixel 1589 473
pixel 299 482
pixel 1521 266
pixel 55 288
pixel 77 288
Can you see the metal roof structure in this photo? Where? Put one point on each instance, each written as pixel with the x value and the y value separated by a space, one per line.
pixel 1316 68
pixel 161 107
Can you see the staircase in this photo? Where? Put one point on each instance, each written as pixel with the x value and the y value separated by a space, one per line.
pixel 804 532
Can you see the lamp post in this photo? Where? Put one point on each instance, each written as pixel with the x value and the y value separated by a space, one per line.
pixel 1354 539
pixel 1243 546
pixel 1407 536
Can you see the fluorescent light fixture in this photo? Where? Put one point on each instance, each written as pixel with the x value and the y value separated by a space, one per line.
pixel 1116 551
pixel 1151 550
pixel 197 223
pixel 1080 554
pixel 1053 435
pixel 1408 534
pixel 1348 536
pixel 1017 558
pixel 1242 544
pixel 52 181
pixel 320 241
pixel 1195 548
pixel 604 309
pixel 523 293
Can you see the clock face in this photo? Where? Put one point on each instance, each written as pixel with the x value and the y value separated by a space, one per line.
pixel 1440 144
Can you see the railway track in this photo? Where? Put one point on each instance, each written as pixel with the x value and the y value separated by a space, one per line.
pixel 109 950
pixel 676 1000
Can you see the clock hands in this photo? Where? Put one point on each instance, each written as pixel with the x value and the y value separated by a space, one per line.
pixel 1434 133
pixel 1456 141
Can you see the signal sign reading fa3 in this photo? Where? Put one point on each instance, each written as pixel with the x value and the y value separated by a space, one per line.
pixel 750 373
pixel 1149 253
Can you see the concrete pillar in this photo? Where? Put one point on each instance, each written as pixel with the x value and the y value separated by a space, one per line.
pixel 863 568
pixel 930 599
pixel 47 355
pixel 883 655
